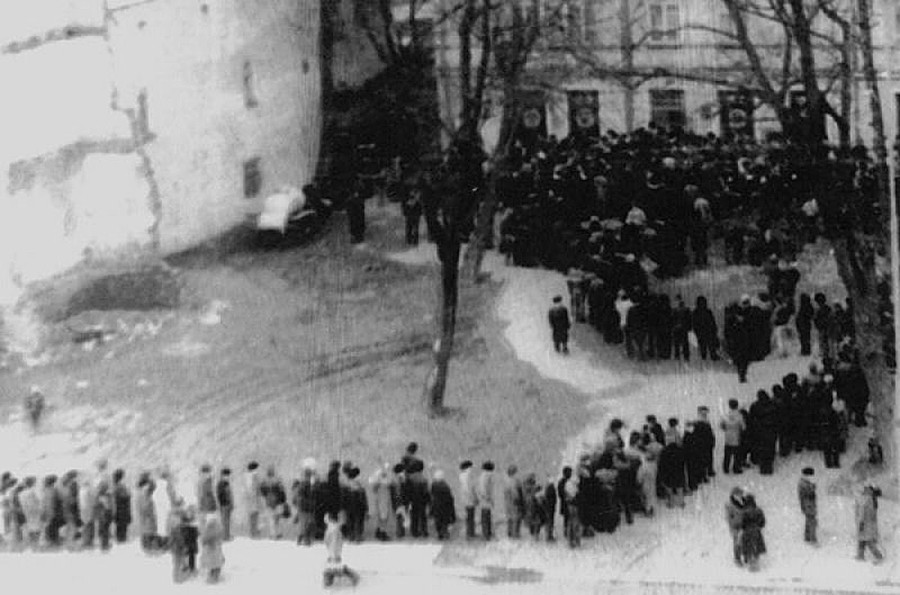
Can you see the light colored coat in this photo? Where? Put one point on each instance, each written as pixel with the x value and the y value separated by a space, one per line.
pixel 211 537
pixel 467 489
pixel 252 497
pixel 146 510
pixel 486 490
pixel 31 508
pixel 733 425
pixel 162 502
pixel 381 495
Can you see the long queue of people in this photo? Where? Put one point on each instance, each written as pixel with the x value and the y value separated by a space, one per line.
pixel 621 478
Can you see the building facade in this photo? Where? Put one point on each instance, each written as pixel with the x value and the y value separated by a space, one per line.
pixel 148 126
pixel 622 64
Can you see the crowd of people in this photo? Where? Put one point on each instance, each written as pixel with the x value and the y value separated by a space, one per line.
pixel 605 214
pixel 627 475
pixel 656 192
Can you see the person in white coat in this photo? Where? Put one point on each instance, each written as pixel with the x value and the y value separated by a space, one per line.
pixel 30 501
pixel 380 483
pixel 162 500
pixel 485 492
pixel 253 499
pixel 468 495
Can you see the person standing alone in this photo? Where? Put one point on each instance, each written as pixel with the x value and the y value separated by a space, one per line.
pixel 559 324
pixel 806 491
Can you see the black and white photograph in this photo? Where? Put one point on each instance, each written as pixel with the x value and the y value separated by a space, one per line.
pixel 480 297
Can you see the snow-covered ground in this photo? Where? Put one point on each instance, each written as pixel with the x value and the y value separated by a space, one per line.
pixel 691 545
pixel 685 550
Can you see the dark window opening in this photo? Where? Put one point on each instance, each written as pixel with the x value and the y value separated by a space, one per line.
pixel 252 178
pixel 667 107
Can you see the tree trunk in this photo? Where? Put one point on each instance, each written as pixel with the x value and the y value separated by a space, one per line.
pixel 803 35
pixel 877 372
pixel 436 383
pixel 846 85
pixel 855 257
pixel 328 13
pixel 626 43
pixel 484 218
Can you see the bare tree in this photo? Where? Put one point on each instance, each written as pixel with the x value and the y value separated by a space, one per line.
pixel 513 40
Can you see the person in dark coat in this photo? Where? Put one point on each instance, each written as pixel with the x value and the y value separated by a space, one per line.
pixel 121 505
pixel 822 322
pixel 549 498
pixel 71 512
pixel 764 423
pixel 734 516
pixel 752 522
pixel 412 212
pixel 656 429
pixel 356 213
pixel 706 439
pixel 52 514
pixel 358 506
pixel 672 472
pixel 626 486
pixel 419 498
pixel 443 508
pixel 178 545
pixel 561 493
pixel 559 325
pixel 704 324
pixel 190 532
pixel 694 462
pixel 806 492
pixel 681 326
pixel 803 321
pixel 103 514
pixel 225 500
pixel 662 327
pixel 741 345
pixel 831 438
pixel 607 502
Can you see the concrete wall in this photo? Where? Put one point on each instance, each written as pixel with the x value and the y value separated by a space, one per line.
pixel 126 127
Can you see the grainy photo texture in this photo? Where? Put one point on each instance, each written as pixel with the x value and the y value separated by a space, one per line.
pixel 449 296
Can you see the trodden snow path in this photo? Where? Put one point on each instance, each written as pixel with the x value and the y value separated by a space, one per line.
pixel 689 546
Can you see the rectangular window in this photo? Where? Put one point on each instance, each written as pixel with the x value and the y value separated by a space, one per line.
pixel 665 22
pixel 656 22
pixel 252 178
pixel 667 107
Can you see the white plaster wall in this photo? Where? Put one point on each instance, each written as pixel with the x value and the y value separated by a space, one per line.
pixel 23 19
pixel 190 65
